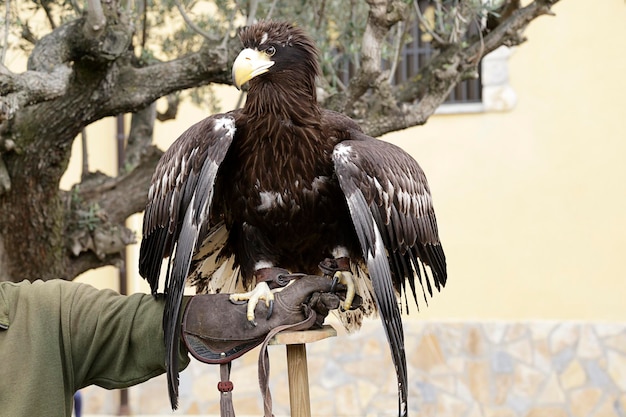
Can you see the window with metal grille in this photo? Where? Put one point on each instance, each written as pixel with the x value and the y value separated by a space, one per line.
pixel 416 53
pixel 413 56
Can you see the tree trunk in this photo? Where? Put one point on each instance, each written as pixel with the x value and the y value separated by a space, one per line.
pixel 38 218
pixel 34 211
pixel 32 225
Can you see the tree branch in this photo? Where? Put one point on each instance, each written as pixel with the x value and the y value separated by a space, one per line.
pixel 46 8
pixel 20 90
pixel 95 21
pixel 140 136
pixel 97 210
pixel 5 34
pixel 49 65
pixel 54 49
pixel 434 82
pixel 211 64
pixel 426 24
pixel 173 100
pixel 88 260
pixel 383 14
pixel 191 23
pixel 120 197
pixel 5 179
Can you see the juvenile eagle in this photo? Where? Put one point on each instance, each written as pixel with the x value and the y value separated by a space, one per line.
pixel 285 183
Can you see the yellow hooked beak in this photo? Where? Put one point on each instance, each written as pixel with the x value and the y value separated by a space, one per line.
pixel 249 64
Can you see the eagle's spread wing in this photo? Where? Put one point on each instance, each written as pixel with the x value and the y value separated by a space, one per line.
pixel 391 209
pixel 176 218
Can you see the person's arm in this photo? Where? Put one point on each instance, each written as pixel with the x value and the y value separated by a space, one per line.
pixel 116 341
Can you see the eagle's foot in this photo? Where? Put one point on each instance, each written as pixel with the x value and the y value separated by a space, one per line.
pixel 261 292
pixel 345 278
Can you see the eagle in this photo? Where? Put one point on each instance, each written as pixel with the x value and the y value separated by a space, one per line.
pixel 284 183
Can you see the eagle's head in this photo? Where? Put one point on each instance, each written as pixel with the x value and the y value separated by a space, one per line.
pixel 275 51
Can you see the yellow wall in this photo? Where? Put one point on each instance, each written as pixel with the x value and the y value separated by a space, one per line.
pixel 531 203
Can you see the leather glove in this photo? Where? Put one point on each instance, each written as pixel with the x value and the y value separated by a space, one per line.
pixel 217 331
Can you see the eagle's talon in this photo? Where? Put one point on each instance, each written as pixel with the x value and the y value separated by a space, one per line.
pixel 270 310
pixel 345 278
pixel 260 292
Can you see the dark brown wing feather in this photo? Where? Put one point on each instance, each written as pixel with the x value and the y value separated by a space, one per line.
pixel 392 214
pixel 176 218
pixel 396 190
pixel 173 185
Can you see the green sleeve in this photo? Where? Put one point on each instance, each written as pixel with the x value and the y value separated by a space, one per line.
pixel 59 336
pixel 116 341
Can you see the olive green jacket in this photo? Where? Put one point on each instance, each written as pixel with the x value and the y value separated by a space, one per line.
pixel 57 337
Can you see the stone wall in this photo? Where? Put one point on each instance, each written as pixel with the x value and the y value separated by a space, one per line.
pixel 464 369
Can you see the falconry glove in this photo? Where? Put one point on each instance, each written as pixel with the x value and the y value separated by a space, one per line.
pixel 217 331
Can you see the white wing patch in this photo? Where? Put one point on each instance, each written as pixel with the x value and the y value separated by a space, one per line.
pixel 343 153
pixel 226 123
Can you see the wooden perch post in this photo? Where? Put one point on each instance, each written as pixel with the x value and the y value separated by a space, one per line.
pixel 297 370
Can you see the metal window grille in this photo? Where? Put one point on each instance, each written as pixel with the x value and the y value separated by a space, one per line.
pixel 413 56
pixel 416 53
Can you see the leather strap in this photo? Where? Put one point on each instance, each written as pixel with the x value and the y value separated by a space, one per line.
pixel 275 277
pixel 264 362
pixel 225 387
pixel 331 265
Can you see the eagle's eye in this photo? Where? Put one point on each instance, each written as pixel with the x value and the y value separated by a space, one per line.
pixel 270 51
